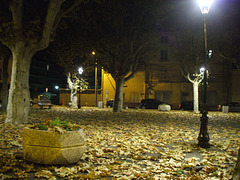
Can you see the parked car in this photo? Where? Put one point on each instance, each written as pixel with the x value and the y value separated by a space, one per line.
pixel 109 104
pixel 233 106
pixel 186 105
pixel 151 103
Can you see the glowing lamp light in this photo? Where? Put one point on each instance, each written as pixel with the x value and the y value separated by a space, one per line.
pixel 80 70
pixel 205 5
pixel 202 69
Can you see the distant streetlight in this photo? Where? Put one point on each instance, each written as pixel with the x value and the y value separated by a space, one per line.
pixel 202 70
pixel 56 87
pixel 96 80
pixel 203 138
pixel 80 71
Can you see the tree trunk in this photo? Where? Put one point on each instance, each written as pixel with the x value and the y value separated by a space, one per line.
pixel 236 171
pixel 73 98
pixel 19 96
pixel 118 97
pixel 5 83
pixel 195 97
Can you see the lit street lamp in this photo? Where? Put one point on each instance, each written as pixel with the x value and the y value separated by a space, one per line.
pixel 203 138
pixel 80 71
pixel 202 70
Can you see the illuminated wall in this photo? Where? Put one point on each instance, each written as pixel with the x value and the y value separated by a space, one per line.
pixel 133 90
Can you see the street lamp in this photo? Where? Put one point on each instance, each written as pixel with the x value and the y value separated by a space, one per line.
pixel 202 70
pixel 80 71
pixel 96 80
pixel 203 138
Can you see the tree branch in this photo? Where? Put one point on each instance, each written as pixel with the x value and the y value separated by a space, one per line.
pixel 63 13
pixel 53 9
pixel 16 9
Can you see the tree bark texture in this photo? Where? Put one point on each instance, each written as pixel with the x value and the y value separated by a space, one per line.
pixel 73 97
pixel 118 97
pixel 195 98
pixel 19 96
pixel 5 83
pixel 23 48
pixel 196 81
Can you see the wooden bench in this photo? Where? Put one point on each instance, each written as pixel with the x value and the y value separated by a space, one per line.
pixel 43 103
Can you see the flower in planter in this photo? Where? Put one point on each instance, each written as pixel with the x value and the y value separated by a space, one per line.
pixel 56 125
pixel 53 142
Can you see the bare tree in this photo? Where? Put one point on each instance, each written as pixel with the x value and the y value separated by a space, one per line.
pixel 68 51
pixel 76 83
pixel 26 28
pixel 120 31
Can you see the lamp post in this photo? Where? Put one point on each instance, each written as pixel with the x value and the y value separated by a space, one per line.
pixel 96 80
pixel 80 71
pixel 203 138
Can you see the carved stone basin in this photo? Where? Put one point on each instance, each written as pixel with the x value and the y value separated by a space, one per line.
pixel 50 147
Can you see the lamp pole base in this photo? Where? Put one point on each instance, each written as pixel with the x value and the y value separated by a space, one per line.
pixel 203 138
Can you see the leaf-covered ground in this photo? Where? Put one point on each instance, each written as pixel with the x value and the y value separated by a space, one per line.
pixel 134 144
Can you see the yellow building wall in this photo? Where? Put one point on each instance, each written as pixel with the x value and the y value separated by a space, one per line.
pixel 87 98
pixel 133 90
pixel 175 89
pixel 108 87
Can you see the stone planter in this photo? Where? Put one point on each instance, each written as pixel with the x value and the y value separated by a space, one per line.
pixel 49 147
pixel 164 107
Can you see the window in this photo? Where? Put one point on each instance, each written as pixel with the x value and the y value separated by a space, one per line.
pixel 164 55
pixel 164 39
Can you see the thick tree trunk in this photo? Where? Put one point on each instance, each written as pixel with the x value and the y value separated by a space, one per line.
pixel 19 96
pixel 5 83
pixel 236 171
pixel 118 97
pixel 73 98
pixel 195 98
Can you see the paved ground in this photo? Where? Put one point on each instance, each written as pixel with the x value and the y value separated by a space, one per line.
pixel 134 144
